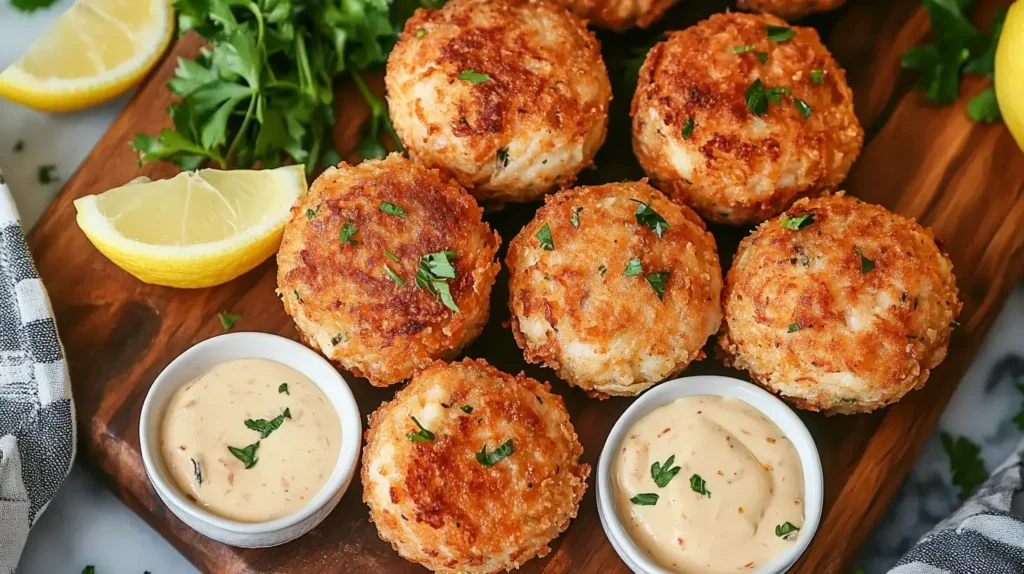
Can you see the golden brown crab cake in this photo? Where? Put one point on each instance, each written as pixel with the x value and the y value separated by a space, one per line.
pixel 471 470
pixel 790 9
pixel 386 266
pixel 740 115
pixel 615 287
pixel 619 15
pixel 511 97
pixel 839 305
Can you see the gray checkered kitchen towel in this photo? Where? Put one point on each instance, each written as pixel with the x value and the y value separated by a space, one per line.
pixel 37 417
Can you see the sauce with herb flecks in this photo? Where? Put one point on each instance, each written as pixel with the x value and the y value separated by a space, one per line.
pixel 250 440
pixel 709 484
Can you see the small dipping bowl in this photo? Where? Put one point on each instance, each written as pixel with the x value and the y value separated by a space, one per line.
pixel 771 407
pixel 198 360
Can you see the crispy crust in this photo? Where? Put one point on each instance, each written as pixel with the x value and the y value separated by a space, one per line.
pixel 790 9
pixel 545 104
pixel 619 15
pixel 864 339
pixel 350 310
pixel 736 167
pixel 437 505
pixel 607 333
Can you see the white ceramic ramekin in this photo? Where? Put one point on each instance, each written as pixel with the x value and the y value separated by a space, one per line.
pixel 201 358
pixel 753 395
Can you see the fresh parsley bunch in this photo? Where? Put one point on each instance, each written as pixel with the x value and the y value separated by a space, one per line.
pixel 959 48
pixel 263 91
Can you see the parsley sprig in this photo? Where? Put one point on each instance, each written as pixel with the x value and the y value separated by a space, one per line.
pixel 265 427
pixel 663 473
pixel 433 274
pixel 965 463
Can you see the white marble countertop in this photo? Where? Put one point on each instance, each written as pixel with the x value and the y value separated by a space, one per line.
pixel 86 524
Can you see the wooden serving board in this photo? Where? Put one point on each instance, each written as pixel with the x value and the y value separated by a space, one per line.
pixel 965 180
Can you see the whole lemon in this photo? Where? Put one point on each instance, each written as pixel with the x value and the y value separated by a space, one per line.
pixel 1009 75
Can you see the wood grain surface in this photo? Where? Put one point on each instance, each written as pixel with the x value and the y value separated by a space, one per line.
pixel 963 179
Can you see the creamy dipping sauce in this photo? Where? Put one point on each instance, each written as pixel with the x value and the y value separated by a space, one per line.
pixel 735 500
pixel 239 404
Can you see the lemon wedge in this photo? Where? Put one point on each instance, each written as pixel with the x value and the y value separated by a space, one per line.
pixel 1009 76
pixel 95 51
pixel 196 229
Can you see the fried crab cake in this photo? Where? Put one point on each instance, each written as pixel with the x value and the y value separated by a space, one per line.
pixel 615 287
pixel 839 306
pixel 511 97
pixel 386 266
pixel 790 9
pixel 619 15
pixel 469 469
pixel 740 115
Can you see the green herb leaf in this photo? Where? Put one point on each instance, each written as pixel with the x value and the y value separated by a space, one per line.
pixel 786 530
pixel 503 156
pixel 29 6
pixel 663 473
pixel 265 427
pixel 297 296
pixel 780 33
pixel 47 174
pixel 575 219
pixel 473 77
pixel 688 128
pixel 743 49
pixel 466 409
pixel 491 458
pixel 865 263
pixel 310 214
pixel 434 271
pixel 965 464
pixel 798 222
pixel 283 388
pixel 228 320
pixel 544 237
pixel 794 327
pixel 347 231
pixel 762 57
pixel 247 454
pixel 602 269
pixel 817 77
pixel 984 107
pixel 88 569
pixel 391 255
pixel 645 499
pixel 802 107
pixel 658 282
pixel 423 435
pixel 394 276
pixel 646 216
pixel 421 33
pixel 756 98
pixel 391 209
pixel 633 267
pixel 698 485
pixel 775 94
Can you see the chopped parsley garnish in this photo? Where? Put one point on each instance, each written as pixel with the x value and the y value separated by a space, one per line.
pixel 575 219
pixel 491 458
pixel 347 231
pixel 422 436
pixel 283 389
pixel 544 236
pixel 466 409
pixel 433 274
pixel 817 77
pixel 780 33
pixel 762 57
pixel 775 94
pixel 503 156
pixel 802 107
pixel 421 33
pixel 47 174
pixel 90 569
pixel 337 339
pixel 794 327
pixel 645 215
pixel 391 255
pixel 742 49
pixel 698 485
pixel 798 222
pixel 247 455
pixel 310 213
pixel 602 269
pixel 965 463
pixel 391 209
pixel 984 107
pixel 297 296
pixel 865 263
pixel 633 267
pixel 658 281
pixel 785 530
pixel 756 98
pixel 265 427
pixel 228 320
pixel 663 473
pixel 473 77
pixel 688 128
pixel 394 276
pixel 645 499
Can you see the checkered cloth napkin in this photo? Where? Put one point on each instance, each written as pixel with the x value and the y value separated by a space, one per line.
pixel 37 417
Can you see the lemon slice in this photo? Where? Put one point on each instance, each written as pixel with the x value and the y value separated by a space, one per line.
pixel 1009 76
pixel 196 229
pixel 95 51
